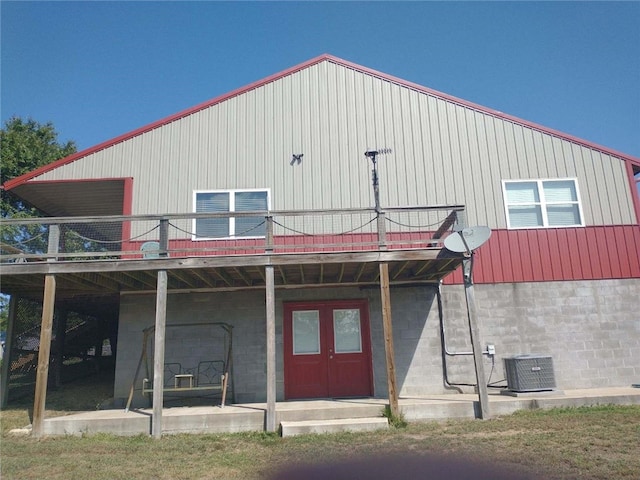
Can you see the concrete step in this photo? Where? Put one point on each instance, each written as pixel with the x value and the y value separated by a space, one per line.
pixel 327 410
pixel 303 427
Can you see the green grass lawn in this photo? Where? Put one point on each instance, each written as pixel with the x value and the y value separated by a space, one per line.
pixel 600 442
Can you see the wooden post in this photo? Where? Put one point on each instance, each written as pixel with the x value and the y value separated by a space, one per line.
pixel 388 338
pixel 382 231
pixel 158 354
pixel 8 348
pixel 164 237
pixel 269 234
pixel 46 327
pixel 271 349
pixel 42 372
pixel 467 267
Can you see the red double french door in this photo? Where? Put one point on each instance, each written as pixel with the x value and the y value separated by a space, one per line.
pixel 327 349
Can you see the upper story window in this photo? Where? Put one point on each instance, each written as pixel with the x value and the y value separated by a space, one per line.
pixel 220 201
pixel 542 203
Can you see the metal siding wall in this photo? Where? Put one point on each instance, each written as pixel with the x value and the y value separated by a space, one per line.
pixel 589 253
pixel 442 152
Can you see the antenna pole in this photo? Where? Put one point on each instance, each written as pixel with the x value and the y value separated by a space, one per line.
pixel 372 154
pixel 374 179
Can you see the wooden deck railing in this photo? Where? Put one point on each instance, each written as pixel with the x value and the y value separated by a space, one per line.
pixel 197 234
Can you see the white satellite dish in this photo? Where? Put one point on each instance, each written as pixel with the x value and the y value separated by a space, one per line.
pixel 467 239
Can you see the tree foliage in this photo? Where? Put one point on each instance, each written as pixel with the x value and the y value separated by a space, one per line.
pixel 24 146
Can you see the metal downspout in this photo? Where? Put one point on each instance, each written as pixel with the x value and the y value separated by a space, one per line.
pixel 445 351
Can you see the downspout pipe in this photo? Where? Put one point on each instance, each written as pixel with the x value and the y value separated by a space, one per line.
pixel 445 350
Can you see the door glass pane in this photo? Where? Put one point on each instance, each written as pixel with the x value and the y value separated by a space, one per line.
pixel 306 332
pixel 346 331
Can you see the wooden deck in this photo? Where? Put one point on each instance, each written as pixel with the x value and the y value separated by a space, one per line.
pixel 327 248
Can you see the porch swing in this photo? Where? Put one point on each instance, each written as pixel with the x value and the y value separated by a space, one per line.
pixel 185 375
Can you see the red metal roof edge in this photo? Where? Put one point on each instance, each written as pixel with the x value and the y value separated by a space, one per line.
pixel 324 57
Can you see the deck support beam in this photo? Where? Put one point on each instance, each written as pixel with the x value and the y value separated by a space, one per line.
pixel 271 349
pixel 46 330
pixel 472 314
pixel 158 354
pixel 44 351
pixel 385 296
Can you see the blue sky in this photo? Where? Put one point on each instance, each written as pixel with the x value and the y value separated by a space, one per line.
pixel 101 69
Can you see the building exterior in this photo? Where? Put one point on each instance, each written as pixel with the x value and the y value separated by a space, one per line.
pixel 560 275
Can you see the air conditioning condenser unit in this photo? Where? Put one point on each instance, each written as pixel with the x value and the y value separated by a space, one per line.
pixel 529 373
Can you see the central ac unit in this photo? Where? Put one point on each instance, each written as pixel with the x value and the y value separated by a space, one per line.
pixel 529 373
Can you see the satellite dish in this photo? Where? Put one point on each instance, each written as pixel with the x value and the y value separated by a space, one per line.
pixel 467 239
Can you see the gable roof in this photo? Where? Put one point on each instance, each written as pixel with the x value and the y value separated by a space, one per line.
pixel 10 184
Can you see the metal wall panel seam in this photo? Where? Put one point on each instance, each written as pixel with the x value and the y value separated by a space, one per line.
pixel 620 196
pixel 488 171
pixel 497 161
pixel 588 179
pixel 474 165
pixel 445 146
pixel 521 154
pixel 437 154
pixel 424 151
pixel 547 168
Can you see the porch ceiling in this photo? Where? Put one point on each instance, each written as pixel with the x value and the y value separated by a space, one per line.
pixel 75 198
pixel 88 281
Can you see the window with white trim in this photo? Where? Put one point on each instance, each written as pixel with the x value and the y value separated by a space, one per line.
pixel 217 201
pixel 542 203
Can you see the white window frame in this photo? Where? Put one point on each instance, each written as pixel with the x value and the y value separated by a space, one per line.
pixel 232 220
pixel 543 202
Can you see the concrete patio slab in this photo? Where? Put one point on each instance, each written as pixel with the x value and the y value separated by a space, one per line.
pixel 251 417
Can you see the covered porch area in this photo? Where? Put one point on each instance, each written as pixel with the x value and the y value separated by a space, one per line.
pixel 359 248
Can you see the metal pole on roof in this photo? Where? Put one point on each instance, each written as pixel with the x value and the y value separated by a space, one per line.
pixel 373 154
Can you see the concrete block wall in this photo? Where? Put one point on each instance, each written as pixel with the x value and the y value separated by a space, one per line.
pixel 416 341
pixel 590 328
pixel 245 311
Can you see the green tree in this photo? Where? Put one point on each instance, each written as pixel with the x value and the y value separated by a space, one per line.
pixel 24 146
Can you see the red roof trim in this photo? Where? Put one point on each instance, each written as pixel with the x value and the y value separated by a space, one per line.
pixel 325 57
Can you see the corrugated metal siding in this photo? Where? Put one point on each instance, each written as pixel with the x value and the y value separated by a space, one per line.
pixel 442 152
pixel 557 254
